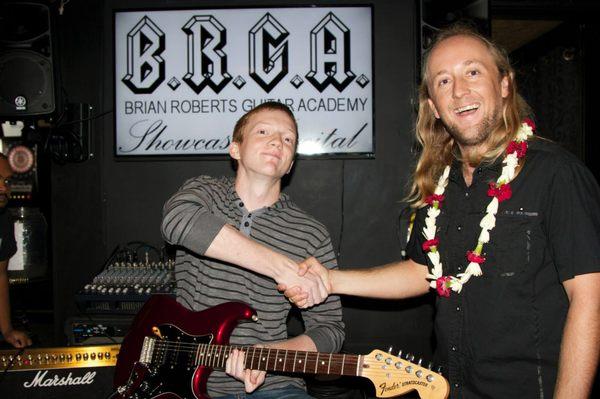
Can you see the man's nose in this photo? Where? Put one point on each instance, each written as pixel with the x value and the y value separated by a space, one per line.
pixel 460 88
pixel 276 140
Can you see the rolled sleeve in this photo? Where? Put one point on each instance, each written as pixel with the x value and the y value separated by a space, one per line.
pixel 188 219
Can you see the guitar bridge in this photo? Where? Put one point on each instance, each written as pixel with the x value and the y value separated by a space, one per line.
pixel 147 350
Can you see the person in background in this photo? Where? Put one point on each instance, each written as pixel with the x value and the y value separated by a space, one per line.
pixel 8 247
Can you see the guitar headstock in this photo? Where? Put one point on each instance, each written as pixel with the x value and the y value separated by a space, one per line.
pixel 393 376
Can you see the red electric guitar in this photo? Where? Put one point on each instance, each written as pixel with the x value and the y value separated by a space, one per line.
pixel 170 352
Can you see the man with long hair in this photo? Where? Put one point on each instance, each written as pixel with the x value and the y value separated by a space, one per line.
pixel 507 233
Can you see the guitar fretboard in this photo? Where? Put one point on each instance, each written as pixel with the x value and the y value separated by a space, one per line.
pixel 189 355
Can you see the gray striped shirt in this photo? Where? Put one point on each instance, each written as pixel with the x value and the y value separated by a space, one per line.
pixel 194 215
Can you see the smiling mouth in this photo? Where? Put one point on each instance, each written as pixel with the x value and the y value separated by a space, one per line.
pixel 467 109
pixel 272 155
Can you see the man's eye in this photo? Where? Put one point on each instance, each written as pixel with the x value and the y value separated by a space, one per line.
pixel 473 72
pixel 262 131
pixel 443 82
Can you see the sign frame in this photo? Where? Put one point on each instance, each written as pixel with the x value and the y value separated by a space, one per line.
pixel 116 80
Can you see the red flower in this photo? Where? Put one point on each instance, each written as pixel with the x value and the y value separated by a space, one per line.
pixel 434 197
pixel 530 123
pixel 473 257
pixel 443 286
pixel 519 147
pixel 502 193
pixel 430 243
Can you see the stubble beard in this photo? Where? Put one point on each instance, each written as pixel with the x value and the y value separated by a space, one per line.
pixel 482 131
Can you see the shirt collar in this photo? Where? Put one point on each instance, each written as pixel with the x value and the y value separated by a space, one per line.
pixel 283 202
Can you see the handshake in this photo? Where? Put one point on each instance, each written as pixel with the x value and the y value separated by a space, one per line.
pixel 305 284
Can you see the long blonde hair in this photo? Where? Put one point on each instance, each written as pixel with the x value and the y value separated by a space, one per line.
pixel 437 145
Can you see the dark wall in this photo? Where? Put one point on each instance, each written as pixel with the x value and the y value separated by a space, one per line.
pixel 107 201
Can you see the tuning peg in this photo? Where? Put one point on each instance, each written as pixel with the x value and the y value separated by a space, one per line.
pixel 400 353
pixel 407 356
pixel 429 365
pixel 390 349
pixel 420 361
pixel 440 369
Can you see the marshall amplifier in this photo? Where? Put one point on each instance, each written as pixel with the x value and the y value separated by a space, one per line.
pixel 53 373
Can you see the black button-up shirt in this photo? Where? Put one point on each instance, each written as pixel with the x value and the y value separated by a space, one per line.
pixel 500 337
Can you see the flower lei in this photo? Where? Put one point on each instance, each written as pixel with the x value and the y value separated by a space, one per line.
pixel 499 191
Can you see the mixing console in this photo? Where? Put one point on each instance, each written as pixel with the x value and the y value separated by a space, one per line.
pixel 123 287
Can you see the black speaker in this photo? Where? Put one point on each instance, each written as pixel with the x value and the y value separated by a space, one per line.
pixel 26 66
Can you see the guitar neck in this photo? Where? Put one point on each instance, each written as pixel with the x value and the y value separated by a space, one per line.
pixel 271 359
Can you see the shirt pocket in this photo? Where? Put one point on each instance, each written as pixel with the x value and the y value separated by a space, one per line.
pixel 511 244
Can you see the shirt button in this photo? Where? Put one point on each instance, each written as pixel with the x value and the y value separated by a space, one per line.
pixel 456 385
pixel 459 268
pixel 458 308
pixel 241 204
pixel 459 227
pixel 453 349
pixel 466 194
pixel 246 224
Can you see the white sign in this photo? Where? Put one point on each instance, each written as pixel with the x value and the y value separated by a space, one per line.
pixel 183 78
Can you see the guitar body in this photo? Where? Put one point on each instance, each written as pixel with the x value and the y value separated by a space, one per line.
pixel 176 376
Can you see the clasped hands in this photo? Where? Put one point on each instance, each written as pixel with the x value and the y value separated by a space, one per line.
pixel 309 285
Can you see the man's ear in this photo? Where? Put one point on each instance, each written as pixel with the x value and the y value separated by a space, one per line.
pixel 234 150
pixel 433 108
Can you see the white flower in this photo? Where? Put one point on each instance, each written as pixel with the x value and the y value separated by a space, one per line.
pixel 429 232
pixel 488 222
pixel 433 213
pixel 434 257
pixel 456 285
pixel 464 277
pixel 484 237
pixel 474 269
pixel 492 206
pixel 524 131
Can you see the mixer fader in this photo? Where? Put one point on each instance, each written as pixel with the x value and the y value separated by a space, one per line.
pixel 123 287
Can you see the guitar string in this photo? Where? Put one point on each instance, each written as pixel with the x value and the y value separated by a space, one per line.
pixel 274 356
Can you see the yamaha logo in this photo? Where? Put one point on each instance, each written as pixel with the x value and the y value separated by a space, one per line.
pixel 20 103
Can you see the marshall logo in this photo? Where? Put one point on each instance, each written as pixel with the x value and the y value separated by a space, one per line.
pixel 40 380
